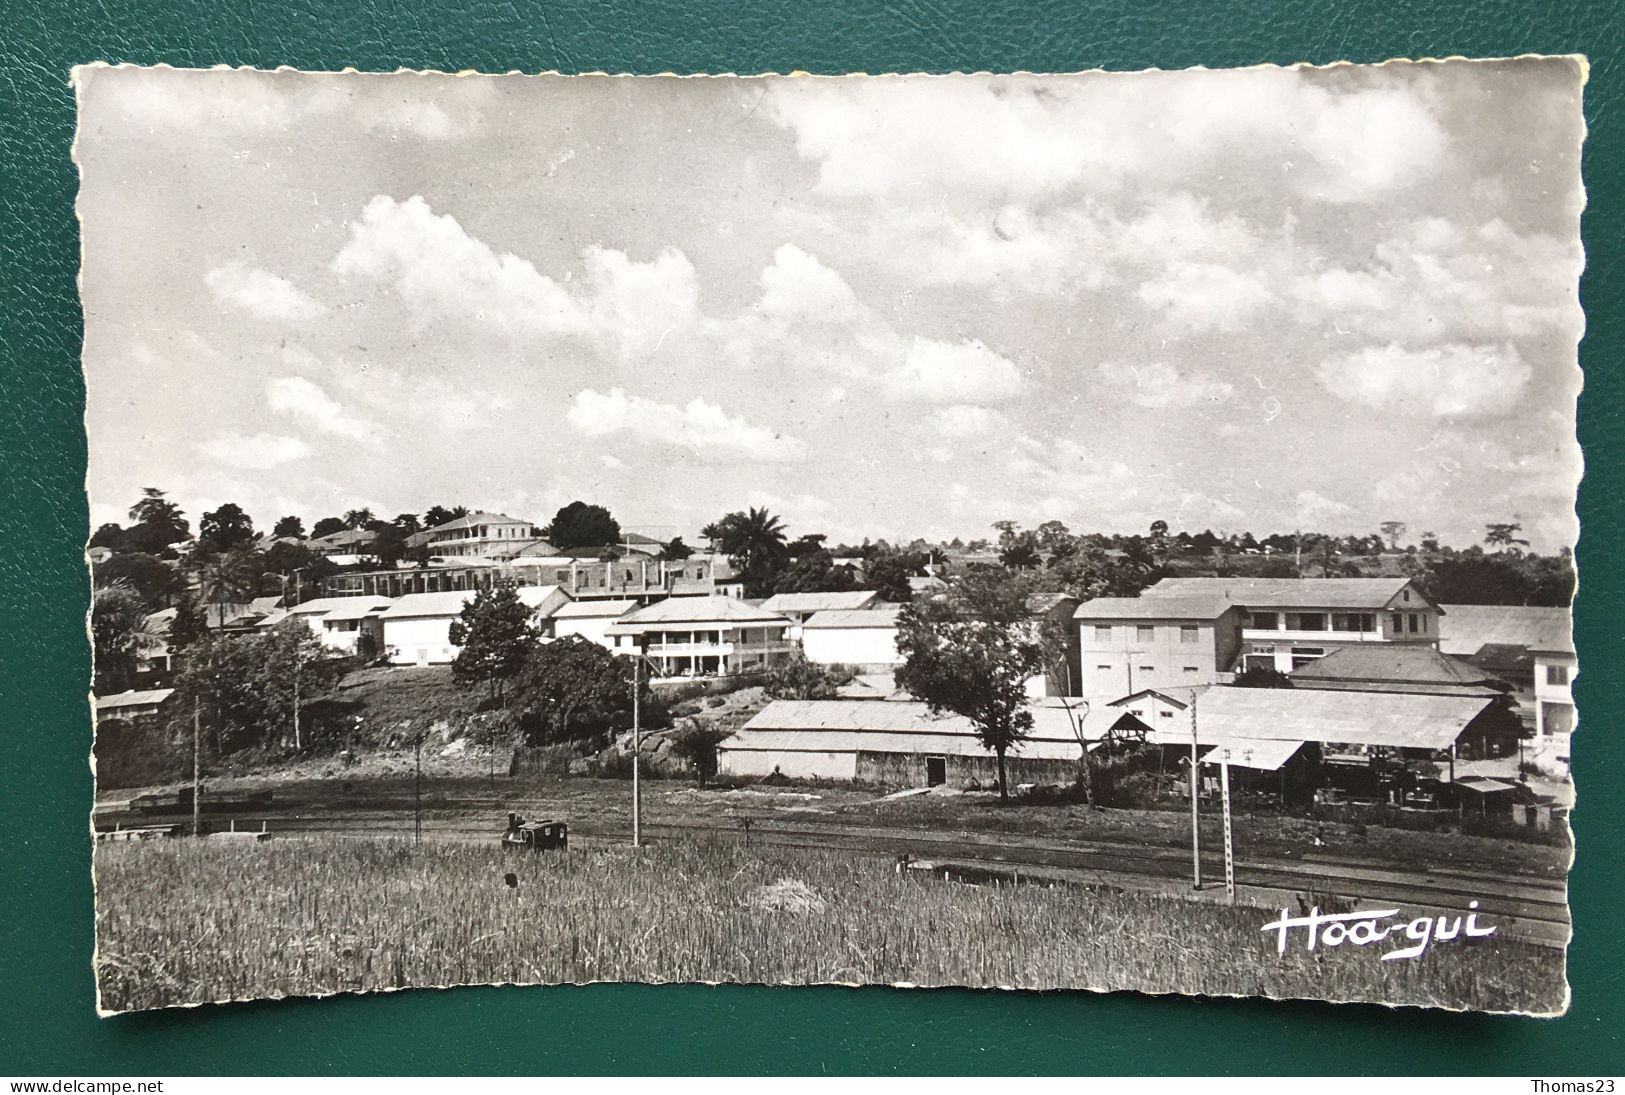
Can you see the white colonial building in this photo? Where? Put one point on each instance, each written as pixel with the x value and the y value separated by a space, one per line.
pixel 704 636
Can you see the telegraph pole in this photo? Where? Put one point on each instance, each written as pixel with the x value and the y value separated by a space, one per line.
pixel 197 766
pixel 417 789
pixel 1229 846
pixel 1196 832
pixel 637 749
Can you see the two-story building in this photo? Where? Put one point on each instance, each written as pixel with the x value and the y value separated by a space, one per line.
pixel 480 535
pixel 1290 622
pixel 417 627
pixel 1129 644
pixel 1529 646
pixel 704 636
pixel 1185 631
pixel 798 607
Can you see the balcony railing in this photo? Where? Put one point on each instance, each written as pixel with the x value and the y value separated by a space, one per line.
pixel 1260 634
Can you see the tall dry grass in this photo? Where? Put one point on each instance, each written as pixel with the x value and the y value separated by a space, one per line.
pixel 183 922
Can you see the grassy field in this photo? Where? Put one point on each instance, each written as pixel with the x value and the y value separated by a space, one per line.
pixel 184 922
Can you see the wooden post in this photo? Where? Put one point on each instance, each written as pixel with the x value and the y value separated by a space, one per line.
pixel 637 748
pixel 417 790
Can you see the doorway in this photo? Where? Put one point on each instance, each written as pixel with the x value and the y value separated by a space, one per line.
pixel 936 771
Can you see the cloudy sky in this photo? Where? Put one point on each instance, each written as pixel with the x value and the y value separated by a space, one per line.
pixel 1260 300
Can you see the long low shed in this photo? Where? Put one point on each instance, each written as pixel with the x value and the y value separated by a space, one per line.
pixel 1263 727
pixel 902 742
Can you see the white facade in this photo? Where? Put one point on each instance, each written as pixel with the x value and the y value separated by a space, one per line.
pixel 417 629
pixel 590 620
pixel 703 636
pixel 1554 694
pixel 859 638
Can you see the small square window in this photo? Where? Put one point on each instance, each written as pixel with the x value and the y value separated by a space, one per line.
pixel 1103 632
pixel 1146 632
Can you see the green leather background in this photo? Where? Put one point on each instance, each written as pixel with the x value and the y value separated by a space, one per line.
pixel 47 1023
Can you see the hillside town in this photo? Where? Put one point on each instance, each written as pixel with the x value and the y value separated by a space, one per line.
pixel 1320 669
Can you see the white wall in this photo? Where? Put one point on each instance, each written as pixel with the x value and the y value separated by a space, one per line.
pixel 419 640
pixel 590 627
pixel 797 765
pixel 851 645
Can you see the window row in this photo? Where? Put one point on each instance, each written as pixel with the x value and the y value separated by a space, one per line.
pixel 1146 633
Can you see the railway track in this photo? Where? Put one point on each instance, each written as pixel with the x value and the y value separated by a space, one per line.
pixel 1524 907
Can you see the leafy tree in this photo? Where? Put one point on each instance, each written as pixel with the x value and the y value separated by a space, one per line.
pixel 158 524
pixel 811 543
pixel 581 524
pixel 327 526
pixel 1472 577
pixel 696 743
pixel 1159 528
pixel 1392 531
pixel 435 516
pixel 289 526
pixel 226 529
pixel 815 573
pixel 796 678
pixel 1262 676
pixel 110 535
pixel 244 687
pixel 188 627
pixel 388 544
pixel 1430 542
pixel 496 635
pixel 1503 536
pixel 971 654
pixel 674 550
pixel 571 689
pixel 887 571
pixel 754 540
pixel 299 570
pixel 1021 551
pixel 1054 537
pixel 120 635
pixel 157 581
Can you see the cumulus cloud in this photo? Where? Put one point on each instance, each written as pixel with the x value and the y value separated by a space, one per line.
pixel 963 421
pixel 1434 280
pixel 1157 385
pixel 1314 510
pixel 701 427
pixel 954 372
pixel 1034 137
pixel 439 270
pixel 305 399
pixel 1197 297
pixel 254 452
pixel 1452 381
pixel 798 287
pixel 262 294
pixel 217 103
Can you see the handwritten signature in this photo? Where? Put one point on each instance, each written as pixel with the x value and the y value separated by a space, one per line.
pixel 1370 926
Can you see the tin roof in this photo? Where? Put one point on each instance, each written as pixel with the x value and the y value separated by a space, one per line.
pixel 1187 606
pixel 1399 719
pixel 815 602
pixel 1260 754
pixel 1344 593
pixel 1051 721
pixel 356 608
pixel 121 700
pixel 1409 663
pixel 694 610
pixel 1467 629
pixel 590 609
pixel 881 615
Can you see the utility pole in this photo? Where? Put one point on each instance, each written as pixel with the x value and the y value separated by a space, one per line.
pixel 197 766
pixel 297 661
pixel 1229 846
pixel 417 789
pixel 1196 832
pixel 637 748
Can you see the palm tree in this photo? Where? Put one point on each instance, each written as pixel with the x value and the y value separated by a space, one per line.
pixel 226 579
pixel 753 539
pixel 358 518
pixel 711 534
